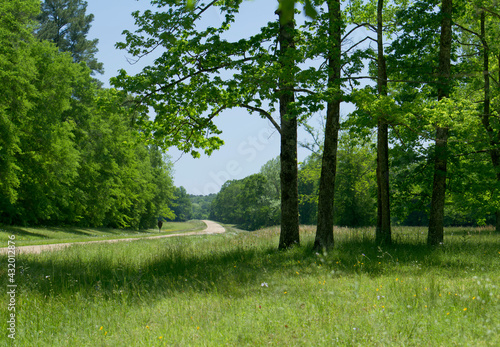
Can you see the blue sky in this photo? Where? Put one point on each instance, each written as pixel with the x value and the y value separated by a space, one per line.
pixel 250 141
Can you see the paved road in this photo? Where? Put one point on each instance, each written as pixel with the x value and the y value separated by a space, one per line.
pixel 212 228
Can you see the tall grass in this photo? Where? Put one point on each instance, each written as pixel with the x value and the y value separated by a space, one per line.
pixel 237 289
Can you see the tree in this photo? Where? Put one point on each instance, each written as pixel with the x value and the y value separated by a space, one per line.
pixel 380 17
pixel 225 207
pixel 246 203
pixel 201 205
pixel 340 65
pixel 66 23
pixel 16 69
pixel 309 173
pixel 271 171
pixel 124 182
pixel 324 231
pixel 257 207
pixel 164 192
pixel 436 233
pixel 383 231
pixel 417 59
pixel 289 235
pixel 478 28
pixel 48 157
pixel 491 125
pixel 39 158
pixel 181 205
pixel 356 184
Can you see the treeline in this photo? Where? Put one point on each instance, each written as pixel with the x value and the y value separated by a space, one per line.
pixel 187 207
pixel 70 152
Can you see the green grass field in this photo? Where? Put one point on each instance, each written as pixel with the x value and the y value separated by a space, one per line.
pixel 236 289
pixel 39 236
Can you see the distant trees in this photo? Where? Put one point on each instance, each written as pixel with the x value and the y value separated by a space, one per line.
pixel 181 205
pixel 247 203
pixel 201 206
pixel 252 203
pixel 355 185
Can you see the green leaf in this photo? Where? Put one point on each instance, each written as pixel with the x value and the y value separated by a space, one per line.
pixel 190 4
pixel 310 9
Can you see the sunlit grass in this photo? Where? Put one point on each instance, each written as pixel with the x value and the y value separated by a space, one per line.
pixel 49 235
pixel 237 289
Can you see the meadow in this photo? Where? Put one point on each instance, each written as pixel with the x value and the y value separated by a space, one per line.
pixel 26 236
pixel 237 289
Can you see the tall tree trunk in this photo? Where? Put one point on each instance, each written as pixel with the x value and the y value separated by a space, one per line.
pixel 494 139
pixel 435 234
pixel 497 155
pixel 289 235
pixel 497 228
pixel 383 230
pixel 324 231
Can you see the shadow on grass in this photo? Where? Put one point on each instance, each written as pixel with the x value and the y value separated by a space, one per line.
pixel 470 231
pixel 182 266
pixel 19 231
pixel 30 232
pixel 72 230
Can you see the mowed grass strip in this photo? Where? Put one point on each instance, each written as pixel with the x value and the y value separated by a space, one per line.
pixel 25 236
pixel 236 289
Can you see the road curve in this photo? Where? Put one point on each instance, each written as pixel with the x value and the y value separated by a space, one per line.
pixel 212 228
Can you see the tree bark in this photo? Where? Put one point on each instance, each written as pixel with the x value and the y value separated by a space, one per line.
pixel 497 228
pixel 383 230
pixel 435 234
pixel 324 231
pixel 289 234
pixel 497 155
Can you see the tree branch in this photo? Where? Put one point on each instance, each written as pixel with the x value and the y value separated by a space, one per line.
pixel 489 11
pixel 203 10
pixel 470 153
pixel 467 30
pixel 359 42
pixel 264 113
pixel 296 90
pixel 354 29
pixel 182 79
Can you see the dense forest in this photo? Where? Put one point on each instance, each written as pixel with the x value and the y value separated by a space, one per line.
pixel 422 146
pixel 70 152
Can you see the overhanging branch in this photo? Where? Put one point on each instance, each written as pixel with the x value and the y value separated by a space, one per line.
pixel 264 113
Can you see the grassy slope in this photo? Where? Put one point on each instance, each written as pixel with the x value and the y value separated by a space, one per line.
pixel 236 289
pixel 25 236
